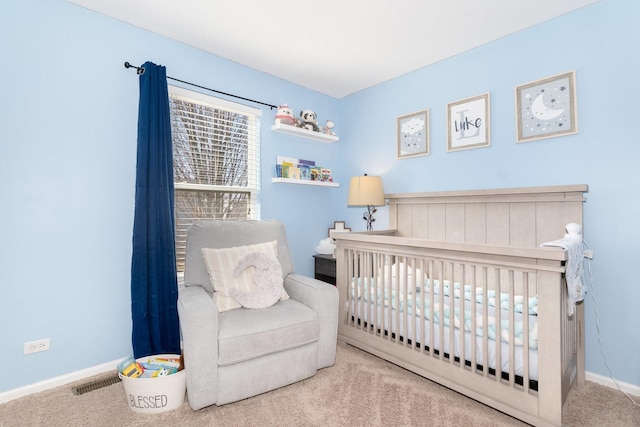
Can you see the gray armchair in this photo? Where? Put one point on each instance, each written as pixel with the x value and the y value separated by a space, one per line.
pixel 240 353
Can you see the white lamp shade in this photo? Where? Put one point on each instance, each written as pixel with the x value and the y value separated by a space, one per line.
pixel 366 190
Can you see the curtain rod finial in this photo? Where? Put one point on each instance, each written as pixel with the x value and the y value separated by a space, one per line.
pixel 139 70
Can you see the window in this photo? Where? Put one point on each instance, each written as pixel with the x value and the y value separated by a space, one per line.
pixel 215 161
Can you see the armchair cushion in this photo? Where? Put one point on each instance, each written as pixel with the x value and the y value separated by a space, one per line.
pixel 221 263
pixel 246 334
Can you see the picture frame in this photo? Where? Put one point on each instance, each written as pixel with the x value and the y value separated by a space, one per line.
pixel 546 108
pixel 468 123
pixel 412 134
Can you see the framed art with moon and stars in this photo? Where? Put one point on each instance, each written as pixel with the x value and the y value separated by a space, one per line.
pixel 547 108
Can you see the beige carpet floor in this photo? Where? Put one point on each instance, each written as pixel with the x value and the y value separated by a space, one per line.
pixel 359 390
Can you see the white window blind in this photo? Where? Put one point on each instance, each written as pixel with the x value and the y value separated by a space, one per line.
pixel 215 161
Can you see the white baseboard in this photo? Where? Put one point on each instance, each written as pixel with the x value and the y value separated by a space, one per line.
pixel 607 381
pixel 58 381
pixel 109 366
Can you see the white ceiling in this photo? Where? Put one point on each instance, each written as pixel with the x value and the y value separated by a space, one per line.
pixel 336 47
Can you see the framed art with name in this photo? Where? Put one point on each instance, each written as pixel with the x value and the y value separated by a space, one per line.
pixel 468 123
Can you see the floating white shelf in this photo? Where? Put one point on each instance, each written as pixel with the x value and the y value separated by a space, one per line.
pixel 305 133
pixel 304 182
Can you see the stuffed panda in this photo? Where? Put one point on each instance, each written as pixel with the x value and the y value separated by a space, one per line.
pixel 308 120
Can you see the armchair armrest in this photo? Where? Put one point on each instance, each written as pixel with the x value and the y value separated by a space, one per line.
pixel 199 328
pixel 322 298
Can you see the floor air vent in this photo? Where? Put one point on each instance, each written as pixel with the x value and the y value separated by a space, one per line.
pixel 95 385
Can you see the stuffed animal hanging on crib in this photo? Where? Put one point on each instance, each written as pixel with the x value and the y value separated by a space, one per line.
pixel 572 243
pixel 574 231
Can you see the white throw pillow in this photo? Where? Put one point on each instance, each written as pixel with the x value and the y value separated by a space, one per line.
pixel 220 264
pixel 397 269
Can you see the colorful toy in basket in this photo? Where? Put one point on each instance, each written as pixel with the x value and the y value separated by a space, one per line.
pixel 159 367
pixel 155 373
pixel 130 368
pixel 152 367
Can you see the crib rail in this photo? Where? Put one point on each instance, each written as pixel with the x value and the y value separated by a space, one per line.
pixel 480 319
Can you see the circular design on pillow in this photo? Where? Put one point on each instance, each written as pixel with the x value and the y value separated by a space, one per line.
pixel 267 278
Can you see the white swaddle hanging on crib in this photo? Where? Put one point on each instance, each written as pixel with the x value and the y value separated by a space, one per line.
pixel 572 242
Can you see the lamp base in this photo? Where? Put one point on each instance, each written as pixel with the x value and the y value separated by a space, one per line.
pixel 368 216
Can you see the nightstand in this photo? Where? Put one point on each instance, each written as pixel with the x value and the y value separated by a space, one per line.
pixel 325 268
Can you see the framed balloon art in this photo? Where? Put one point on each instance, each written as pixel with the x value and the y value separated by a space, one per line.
pixel 412 135
pixel 547 108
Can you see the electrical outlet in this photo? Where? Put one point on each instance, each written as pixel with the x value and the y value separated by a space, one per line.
pixel 36 346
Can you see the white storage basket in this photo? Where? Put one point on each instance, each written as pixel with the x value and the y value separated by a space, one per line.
pixel 155 395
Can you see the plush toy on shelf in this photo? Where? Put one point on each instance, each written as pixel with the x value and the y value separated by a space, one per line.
pixel 328 128
pixel 308 120
pixel 285 116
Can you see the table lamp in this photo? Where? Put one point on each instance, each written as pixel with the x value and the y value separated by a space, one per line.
pixel 366 191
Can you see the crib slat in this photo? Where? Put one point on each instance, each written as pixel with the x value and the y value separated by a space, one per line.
pixel 512 330
pixel 373 289
pixel 473 303
pixel 361 288
pixel 485 316
pixel 351 278
pixel 498 322
pixel 452 319
pixel 411 285
pixel 474 327
pixel 525 327
pixel 400 294
pixel 441 313
pixel 461 317
pixel 432 269
pixel 397 314
pixel 387 288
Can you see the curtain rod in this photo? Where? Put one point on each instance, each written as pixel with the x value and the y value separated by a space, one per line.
pixel 140 71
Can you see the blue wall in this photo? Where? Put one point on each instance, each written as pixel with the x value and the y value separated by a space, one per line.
pixel 600 42
pixel 69 127
pixel 69 116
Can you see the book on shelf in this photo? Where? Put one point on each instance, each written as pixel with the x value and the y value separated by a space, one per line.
pixel 325 175
pixel 294 172
pixel 306 162
pixel 305 172
pixel 289 167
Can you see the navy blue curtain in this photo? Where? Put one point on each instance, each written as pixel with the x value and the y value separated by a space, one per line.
pixel 154 289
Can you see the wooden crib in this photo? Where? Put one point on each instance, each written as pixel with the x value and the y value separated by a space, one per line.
pixel 460 292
